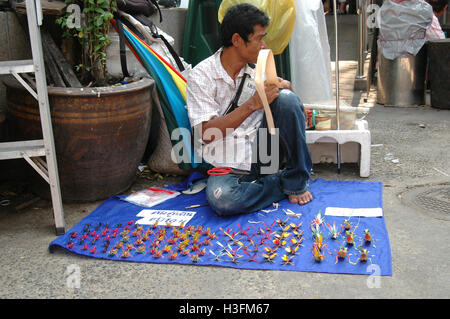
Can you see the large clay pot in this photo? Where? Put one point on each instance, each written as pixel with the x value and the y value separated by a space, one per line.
pixel 100 134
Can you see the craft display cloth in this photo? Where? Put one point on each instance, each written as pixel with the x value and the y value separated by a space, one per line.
pixel 112 231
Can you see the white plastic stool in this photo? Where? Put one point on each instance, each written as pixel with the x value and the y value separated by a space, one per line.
pixel 360 135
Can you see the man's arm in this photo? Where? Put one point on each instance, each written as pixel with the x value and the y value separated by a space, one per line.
pixel 235 118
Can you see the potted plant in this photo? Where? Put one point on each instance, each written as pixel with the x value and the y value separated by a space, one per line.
pixel 100 130
pixel 89 22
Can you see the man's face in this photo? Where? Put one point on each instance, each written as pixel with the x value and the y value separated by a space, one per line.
pixel 255 44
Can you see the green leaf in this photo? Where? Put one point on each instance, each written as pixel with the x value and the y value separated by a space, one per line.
pixel 98 47
pixel 98 22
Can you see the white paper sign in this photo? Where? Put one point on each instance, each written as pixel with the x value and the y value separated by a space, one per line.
pixel 362 212
pixel 164 217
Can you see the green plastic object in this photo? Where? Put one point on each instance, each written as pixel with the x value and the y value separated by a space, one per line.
pixel 202 36
pixel 283 64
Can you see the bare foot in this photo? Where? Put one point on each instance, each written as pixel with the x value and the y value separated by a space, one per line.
pixel 301 199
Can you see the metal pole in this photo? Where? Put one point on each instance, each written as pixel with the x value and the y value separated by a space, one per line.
pixel 364 27
pixel 444 19
pixel 336 70
pixel 361 41
pixel 336 66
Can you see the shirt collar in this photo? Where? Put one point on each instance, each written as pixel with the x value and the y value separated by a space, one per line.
pixel 221 73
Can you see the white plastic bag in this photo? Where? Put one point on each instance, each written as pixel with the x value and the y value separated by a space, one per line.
pixel 309 52
pixel 113 65
pixel 151 196
pixel 402 27
pixel 135 68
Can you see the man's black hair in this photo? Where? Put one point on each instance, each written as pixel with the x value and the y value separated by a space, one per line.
pixel 241 19
pixel 438 5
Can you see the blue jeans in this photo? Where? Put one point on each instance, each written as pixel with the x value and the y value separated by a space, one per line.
pixel 237 193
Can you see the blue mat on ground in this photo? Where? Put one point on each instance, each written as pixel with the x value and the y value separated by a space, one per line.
pixel 112 232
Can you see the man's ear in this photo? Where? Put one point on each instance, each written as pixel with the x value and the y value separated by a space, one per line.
pixel 236 40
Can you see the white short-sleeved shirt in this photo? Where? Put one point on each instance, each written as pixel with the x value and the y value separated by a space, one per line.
pixel 434 31
pixel 209 92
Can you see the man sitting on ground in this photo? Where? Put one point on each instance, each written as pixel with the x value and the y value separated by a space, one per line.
pixel 235 138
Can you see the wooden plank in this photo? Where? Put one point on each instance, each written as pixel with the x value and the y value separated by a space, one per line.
pixel 64 67
pixel 49 7
pixel 52 68
pixel 28 78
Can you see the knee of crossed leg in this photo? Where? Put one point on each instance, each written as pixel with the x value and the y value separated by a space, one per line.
pixel 221 200
pixel 290 102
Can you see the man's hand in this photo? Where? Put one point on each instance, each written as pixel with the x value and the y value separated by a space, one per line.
pixel 272 93
pixel 285 84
